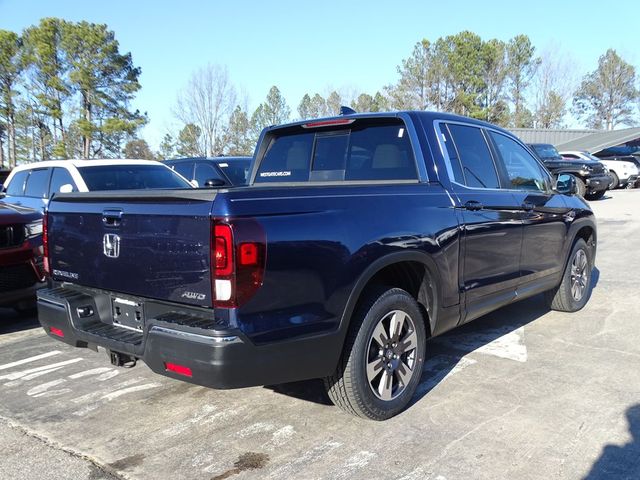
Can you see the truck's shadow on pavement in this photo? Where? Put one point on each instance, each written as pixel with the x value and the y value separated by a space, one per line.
pixel 448 351
pixel 11 321
pixel 620 462
pixel 445 352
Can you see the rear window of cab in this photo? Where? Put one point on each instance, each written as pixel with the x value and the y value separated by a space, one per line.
pixel 364 150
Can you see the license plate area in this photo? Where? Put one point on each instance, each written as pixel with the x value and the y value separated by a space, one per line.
pixel 127 314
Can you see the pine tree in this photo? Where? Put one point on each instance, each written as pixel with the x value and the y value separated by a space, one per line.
pixel 106 80
pixel 274 111
pixel 188 144
pixel 167 147
pixel 238 139
pixel 47 68
pixel 607 95
pixel 11 66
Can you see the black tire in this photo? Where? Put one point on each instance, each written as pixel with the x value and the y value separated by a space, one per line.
pixel 350 387
pixel 581 188
pixel 562 297
pixel 595 196
pixel 615 181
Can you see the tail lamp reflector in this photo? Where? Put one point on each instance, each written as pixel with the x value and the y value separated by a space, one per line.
pixel 56 331
pixel 179 369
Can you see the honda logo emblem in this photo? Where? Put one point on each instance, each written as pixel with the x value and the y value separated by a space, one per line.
pixel 111 245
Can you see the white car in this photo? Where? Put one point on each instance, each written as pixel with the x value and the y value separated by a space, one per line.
pixel 622 173
pixel 32 185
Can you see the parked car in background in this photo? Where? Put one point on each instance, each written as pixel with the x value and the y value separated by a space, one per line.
pixel 21 257
pixel 213 172
pixel 622 172
pixel 592 180
pixel 357 238
pixel 613 160
pixel 33 184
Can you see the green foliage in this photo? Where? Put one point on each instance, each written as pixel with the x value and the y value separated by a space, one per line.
pixel 139 149
pixel 238 138
pixel 11 66
pixel 304 108
pixel 466 75
pixel 606 96
pixel 167 147
pixel 334 102
pixel 47 69
pixel 75 88
pixel 551 110
pixel 273 111
pixel 188 144
pixel 106 81
pixel 521 67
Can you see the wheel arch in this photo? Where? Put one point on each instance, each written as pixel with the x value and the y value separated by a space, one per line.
pixel 415 272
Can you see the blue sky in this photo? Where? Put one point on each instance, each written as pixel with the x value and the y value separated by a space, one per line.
pixel 318 46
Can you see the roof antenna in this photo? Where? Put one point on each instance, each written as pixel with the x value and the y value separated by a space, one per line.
pixel 346 110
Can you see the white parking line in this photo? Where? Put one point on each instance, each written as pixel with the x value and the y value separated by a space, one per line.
pixel 138 388
pixel 35 391
pixel 111 396
pixel 24 373
pixel 93 371
pixel 29 360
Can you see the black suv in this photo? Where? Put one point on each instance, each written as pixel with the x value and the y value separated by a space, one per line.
pixel 591 177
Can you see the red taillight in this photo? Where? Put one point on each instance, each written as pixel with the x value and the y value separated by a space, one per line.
pixel 56 331
pixel 329 123
pixel 179 369
pixel 45 245
pixel 223 251
pixel 238 258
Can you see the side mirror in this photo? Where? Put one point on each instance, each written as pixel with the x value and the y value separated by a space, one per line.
pixel 566 184
pixel 214 182
pixel 66 188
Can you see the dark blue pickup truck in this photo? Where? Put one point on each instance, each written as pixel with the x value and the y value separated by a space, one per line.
pixel 357 239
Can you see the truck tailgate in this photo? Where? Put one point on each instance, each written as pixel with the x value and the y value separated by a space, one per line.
pixel 153 244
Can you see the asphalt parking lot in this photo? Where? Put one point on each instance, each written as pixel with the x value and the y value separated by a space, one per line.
pixel 523 393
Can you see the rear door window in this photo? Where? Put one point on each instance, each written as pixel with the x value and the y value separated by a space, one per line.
pixel 185 169
pixel 363 151
pixel 476 161
pixel 16 186
pixel 38 183
pixel 206 171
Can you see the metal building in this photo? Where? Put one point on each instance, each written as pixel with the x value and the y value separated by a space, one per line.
pixel 623 141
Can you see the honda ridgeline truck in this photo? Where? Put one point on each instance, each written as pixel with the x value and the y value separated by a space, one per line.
pixel 357 239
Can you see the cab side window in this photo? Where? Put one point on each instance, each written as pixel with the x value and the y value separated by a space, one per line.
pixel 16 186
pixel 476 161
pixel 522 169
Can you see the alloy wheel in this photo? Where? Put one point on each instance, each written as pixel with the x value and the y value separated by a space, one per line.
pixel 392 355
